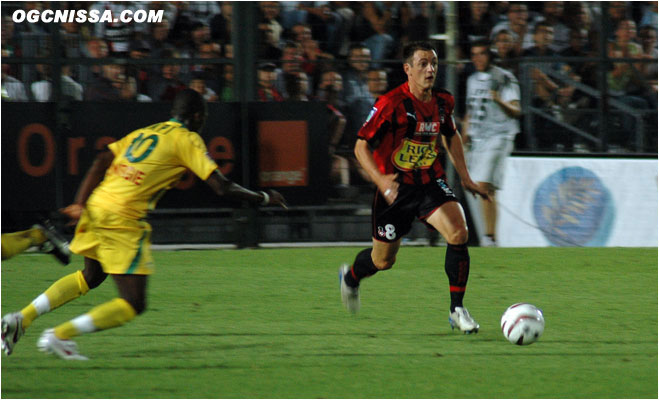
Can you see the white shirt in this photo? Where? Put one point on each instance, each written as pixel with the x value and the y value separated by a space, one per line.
pixel 487 118
pixel 42 90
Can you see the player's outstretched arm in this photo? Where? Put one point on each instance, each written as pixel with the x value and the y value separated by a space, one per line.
pixel 92 178
pixel 224 187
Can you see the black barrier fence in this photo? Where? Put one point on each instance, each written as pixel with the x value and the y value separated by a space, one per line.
pixel 44 158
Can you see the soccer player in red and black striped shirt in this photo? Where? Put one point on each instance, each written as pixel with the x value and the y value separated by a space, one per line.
pixel 398 148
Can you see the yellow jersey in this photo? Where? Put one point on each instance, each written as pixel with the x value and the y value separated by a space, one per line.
pixel 148 162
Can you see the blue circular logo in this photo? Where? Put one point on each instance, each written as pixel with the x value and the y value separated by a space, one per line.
pixel 572 207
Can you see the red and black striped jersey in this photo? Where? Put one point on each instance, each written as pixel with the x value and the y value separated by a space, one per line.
pixel 404 133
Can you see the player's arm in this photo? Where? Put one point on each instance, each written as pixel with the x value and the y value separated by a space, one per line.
pixel 454 148
pixel 512 108
pixel 92 178
pixel 224 187
pixel 387 184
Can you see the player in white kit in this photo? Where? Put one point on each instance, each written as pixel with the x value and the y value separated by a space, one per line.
pixel 490 125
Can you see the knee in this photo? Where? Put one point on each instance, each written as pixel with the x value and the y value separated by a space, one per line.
pixel 94 277
pixel 460 235
pixel 383 264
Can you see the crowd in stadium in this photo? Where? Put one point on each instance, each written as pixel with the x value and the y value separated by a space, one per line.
pixel 310 50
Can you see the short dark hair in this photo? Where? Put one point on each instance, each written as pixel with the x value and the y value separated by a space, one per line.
pixel 481 43
pixel 187 103
pixel 411 48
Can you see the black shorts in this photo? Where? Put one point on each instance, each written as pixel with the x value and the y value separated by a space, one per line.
pixel 392 222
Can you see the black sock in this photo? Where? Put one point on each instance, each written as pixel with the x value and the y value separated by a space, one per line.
pixel 456 266
pixel 362 267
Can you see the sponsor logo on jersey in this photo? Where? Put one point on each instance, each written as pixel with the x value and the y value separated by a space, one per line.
pixel 427 128
pixel 411 155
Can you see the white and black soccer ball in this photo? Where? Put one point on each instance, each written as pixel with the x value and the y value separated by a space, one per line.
pixel 522 323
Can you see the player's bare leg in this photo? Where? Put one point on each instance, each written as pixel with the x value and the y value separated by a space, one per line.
pixel 489 215
pixel 131 301
pixel 450 221
pixel 368 262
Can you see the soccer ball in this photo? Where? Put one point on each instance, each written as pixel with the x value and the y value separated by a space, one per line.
pixel 522 323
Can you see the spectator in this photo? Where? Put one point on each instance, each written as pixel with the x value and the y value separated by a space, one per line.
pixel 475 23
pixel 370 28
pixel 552 14
pixel 297 86
pixel 95 48
pixel 165 86
pixel 266 77
pixel 269 13
pixel 649 15
pixel 578 47
pixel 517 24
pixel 617 12
pixel 200 11
pixel 548 94
pixel 12 88
pixel 198 84
pixel 42 89
pixel 221 23
pixel 377 82
pixel 159 40
pixel 504 52
pixel 625 80
pixel 290 63
pixel 211 73
pixel 409 23
pixel 140 50
pixel 107 86
pixel 580 17
pixel 118 35
pixel 129 91
pixel 359 100
pixel 228 93
pixel 648 36
pixel 269 31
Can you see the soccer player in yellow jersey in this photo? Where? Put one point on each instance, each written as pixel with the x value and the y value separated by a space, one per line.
pixel 112 201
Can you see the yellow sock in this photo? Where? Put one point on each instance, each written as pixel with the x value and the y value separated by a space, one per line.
pixel 17 242
pixel 61 292
pixel 108 315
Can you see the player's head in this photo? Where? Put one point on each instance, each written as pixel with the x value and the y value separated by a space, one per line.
pixel 190 108
pixel 481 55
pixel 420 65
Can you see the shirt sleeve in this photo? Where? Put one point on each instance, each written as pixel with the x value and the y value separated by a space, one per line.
pixel 377 122
pixel 119 147
pixel 192 154
pixel 510 90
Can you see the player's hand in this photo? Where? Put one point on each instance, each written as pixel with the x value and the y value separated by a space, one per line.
pixel 276 199
pixel 73 211
pixel 388 186
pixel 476 189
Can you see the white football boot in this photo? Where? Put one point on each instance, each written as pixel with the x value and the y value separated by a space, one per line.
pixel 65 349
pixel 349 295
pixel 461 319
pixel 12 330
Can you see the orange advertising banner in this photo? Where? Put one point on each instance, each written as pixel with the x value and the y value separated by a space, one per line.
pixel 283 153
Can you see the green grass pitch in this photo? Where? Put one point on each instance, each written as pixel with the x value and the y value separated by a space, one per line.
pixel 269 323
